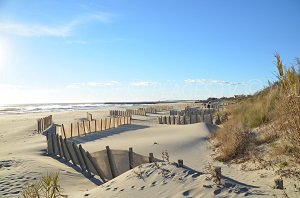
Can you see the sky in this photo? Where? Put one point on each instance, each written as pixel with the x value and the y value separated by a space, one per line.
pixel 138 50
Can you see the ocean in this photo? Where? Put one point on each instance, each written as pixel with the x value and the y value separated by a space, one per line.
pixel 57 107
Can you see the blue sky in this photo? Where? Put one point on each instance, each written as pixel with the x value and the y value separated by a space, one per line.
pixel 113 50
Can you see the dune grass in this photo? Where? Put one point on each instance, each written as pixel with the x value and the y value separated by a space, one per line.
pixel 47 187
pixel 277 107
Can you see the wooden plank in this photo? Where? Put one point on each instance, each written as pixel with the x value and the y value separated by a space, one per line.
pixel 130 155
pixel 77 156
pixel 111 165
pixel 62 148
pixel 58 146
pixel 95 125
pixel 83 125
pixel 78 129
pixel 63 129
pixel 71 130
pixel 96 167
pixel 68 150
pixel 52 141
pixel 84 160
pixel 151 158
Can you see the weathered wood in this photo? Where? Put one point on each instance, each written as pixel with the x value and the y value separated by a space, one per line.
pixel 279 184
pixel 71 130
pixel 130 155
pixel 180 163
pixel 151 158
pixel 63 129
pixel 69 152
pixel 83 125
pixel 53 144
pixel 49 142
pixel 58 146
pixel 95 125
pixel 77 156
pixel 78 129
pixel 84 160
pixel 110 160
pixel 216 174
pixel 62 148
pixel 96 167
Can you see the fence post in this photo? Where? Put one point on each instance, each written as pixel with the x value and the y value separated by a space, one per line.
pixel 69 152
pixel 83 124
pixel 71 130
pixel 130 153
pixel 63 129
pixel 151 157
pixel 109 156
pixel 62 148
pixel 180 163
pixel 84 160
pixel 77 156
pixel 58 146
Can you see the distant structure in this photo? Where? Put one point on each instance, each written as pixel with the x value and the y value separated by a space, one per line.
pixel 239 96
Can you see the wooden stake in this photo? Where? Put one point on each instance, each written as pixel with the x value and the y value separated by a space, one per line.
pixel 109 156
pixel 84 160
pixel 130 153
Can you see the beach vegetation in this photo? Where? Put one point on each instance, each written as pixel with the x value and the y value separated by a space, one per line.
pixel 271 115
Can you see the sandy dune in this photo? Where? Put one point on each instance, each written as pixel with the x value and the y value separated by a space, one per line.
pixel 23 159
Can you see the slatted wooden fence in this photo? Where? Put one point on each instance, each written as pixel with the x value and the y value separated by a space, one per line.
pixel 84 128
pixel 140 111
pixel 44 123
pixel 187 119
pixel 116 113
pixel 107 164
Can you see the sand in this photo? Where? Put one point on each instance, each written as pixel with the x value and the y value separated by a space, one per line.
pixel 23 159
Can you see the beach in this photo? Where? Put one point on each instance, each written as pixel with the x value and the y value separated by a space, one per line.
pixel 24 159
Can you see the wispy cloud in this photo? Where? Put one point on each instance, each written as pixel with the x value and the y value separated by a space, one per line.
pixel 143 83
pixel 32 30
pixel 206 81
pixel 93 84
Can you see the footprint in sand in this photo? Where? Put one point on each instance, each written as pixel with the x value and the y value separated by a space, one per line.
pixel 153 183
pixel 218 191
pixel 132 187
pixel 186 193
pixel 122 190
pixel 107 189
pixel 115 189
pixel 142 188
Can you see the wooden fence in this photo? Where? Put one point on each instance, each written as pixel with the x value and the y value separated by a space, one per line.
pixel 187 119
pixel 116 113
pixel 44 123
pixel 191 111
pixel 107 164
pixel 140 111
pixel 84 128
pixel 89 116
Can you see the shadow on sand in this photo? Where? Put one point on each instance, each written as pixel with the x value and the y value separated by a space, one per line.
pixel 109 132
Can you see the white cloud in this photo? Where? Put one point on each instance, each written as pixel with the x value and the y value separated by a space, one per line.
pixel 206 81
pixel 31 30
pixel 93 84
pixel 142 84
pixel 103 84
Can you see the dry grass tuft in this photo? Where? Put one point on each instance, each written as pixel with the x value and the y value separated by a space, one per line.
pixel 48 187
pixel 275 109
